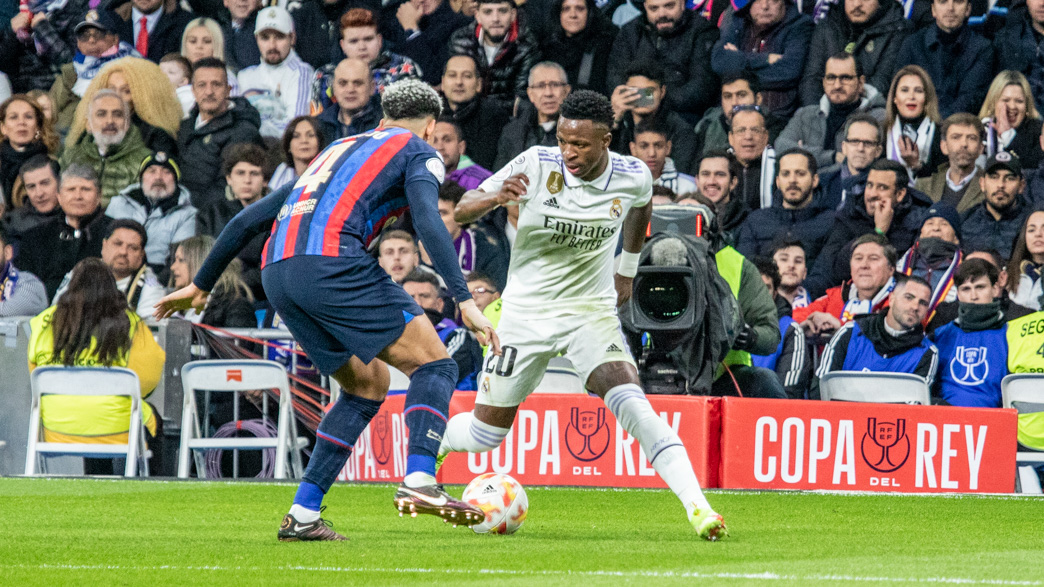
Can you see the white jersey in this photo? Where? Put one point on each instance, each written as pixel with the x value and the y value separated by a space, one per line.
pixel 568 229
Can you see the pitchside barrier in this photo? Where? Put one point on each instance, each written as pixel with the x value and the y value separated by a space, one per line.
pixel 736 443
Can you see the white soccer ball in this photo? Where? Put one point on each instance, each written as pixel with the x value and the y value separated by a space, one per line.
pixel 502 498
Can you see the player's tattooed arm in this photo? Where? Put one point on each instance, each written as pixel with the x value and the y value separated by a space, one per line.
pixel 635 226
pixel 476 203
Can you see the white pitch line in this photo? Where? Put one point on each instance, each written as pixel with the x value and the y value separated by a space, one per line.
pixel 532 573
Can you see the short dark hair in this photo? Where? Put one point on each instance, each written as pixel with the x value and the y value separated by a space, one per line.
pixel 994 254
pixel 973 269
pixel 661 190
pixel 511 2
pixel 481 276
pixel 902 176
pixel 128 224
pixel 210 63
pixel 39 162
pixel 767 267
pixel 451 191
pixel 878 239
pixel 245 153
pixel 588 105
pixel 420 276
pixel 744 75
pixel 651 125
pixel 288 136
pixel 904 279
pixel 845 56
pixel 785 240
pixel 864 118
pixel 720 154
pixel 962 119
pixel 650 70
pixel 397 234
pixel 813 166
pixel 456 127
pixel 470 57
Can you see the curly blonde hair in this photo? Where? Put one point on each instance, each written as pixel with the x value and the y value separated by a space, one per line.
pixel 154 100
pixel 44 127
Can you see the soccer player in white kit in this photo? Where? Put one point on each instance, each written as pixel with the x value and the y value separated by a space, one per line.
pixel 562 295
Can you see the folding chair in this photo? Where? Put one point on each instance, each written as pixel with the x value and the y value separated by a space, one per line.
pixel 235 376
pixel 560 377
pixel 87 381
pixel 877 388
pixel 1025 393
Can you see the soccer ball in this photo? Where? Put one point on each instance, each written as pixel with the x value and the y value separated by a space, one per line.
pixel 502 499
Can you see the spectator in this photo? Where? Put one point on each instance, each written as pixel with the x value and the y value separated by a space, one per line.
pixel 92 326
pixel 749 142
pixel 652 145
pixel 50 250
pixel 819 128
pixel 112 146
pixel 892 342
pixel 153 27
pixel 769 38
pixel 158 112
pixel 1017 45
pixel 123 252
pixel 791 361
pixel 537 120
pixel 215 123
pixel 160 204
pixel 36 40
pixel 96 45
pixel 956 183
pixel 21 292
pixel 788 254
pixel 361 40
pixel 460 343
pixel 449 142
pixel 860 147
pixel 479 119
pixel 958 60
pixel 871 30
pixel 936 254
pixel 355 109
pixel 230 304
pixel 580 40
pixel 712 131
pixel 888 208
pixel 642 100
pixel 398 254
pixel 302 141
pixel 797 214
pixel 39 204
pixel 240 45
pixel 1027 260
pixel 279 87
pixel 947 312
pixel 681 41
pixel 24 134
pixel 503 48
pixel 912 120
pixel 716 179
pixel 476 249
pixel 179 71
pixel 483 290
pixel 973 349
pixel 1012 119
pixel 204 38
pixel 43 100
pixel 421 30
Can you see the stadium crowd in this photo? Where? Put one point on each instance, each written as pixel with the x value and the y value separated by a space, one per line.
pixel 880 163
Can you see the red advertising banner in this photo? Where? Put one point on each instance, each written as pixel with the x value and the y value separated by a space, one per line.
pixel 792 444
pixel 557 439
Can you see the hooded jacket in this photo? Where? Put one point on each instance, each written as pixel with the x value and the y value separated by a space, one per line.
pixel 168 221
pixel 199 149
pixel 809 126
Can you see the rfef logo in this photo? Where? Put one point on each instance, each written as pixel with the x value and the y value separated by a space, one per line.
pixel 885 446
pixel 587 436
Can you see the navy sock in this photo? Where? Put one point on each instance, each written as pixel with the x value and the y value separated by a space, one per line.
pixel 426 412
pixel 335 438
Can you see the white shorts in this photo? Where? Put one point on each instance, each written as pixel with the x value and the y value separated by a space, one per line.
pixel 528 344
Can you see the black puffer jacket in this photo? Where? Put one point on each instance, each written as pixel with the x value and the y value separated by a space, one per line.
pixel 593 44
pixel 875 45
pixel 521 133
pixel 685 54
pixel 199 150
pixel 508 76
pixel 481 121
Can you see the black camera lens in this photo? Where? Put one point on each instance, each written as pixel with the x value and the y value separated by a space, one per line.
pixel 662 298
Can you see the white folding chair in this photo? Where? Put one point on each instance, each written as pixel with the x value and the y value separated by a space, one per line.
pixel 1025 393
pixel 87 381
pixel 560 377
pixel 235 376
pixel 877 388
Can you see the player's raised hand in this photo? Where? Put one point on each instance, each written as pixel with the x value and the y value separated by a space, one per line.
pixel 477 322
pixel 513 189
pixel 187 297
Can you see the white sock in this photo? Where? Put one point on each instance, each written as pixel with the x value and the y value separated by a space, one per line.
pixel 418 479
pixel 466 433
pixel 303 514
pixel 661 445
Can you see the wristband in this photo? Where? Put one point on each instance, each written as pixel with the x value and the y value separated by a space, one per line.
pixel 879 231
pixel 628 264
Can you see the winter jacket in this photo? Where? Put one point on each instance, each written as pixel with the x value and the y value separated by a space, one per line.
pixel 50 250
pixel 585 56
pixel 833 302
pixel 1035 186
pixel 428 47
pixel 21 220
pixel 278 92
pixel 169 221
pixel 164 39
pixel 789 38
pixel 811 225
pixel 506 78
pixel 366 119
pixel 961 72
pixel 1016 48
pixel 875 46
pixel 33 63
pixel 685 54
pixel 1025 144
pixel 481 121
pixel 241 49
pixel 523 132
pixel 199 150
pixel 712 132
pixel 809 126
pixel 118 168
pixel 681 135
pixel 934 185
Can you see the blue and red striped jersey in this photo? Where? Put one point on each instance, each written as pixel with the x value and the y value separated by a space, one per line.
pixel 349 193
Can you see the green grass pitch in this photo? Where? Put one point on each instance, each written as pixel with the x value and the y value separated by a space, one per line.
pixel 115 532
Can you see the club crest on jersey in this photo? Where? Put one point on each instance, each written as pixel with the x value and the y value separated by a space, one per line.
pixel 555 181
pixel 616 209
pixel 969 365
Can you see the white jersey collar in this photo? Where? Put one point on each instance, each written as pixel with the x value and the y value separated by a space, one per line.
pixel 601 182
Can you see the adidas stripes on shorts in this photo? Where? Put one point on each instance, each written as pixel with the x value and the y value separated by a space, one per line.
pixel 587 340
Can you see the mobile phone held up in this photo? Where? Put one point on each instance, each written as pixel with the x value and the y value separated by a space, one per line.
pixel 645 97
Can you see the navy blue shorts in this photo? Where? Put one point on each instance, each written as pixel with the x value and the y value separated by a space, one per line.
pixel 338 307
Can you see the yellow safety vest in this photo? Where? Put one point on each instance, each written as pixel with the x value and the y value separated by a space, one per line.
pixel 1026 355
pixel 730 267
